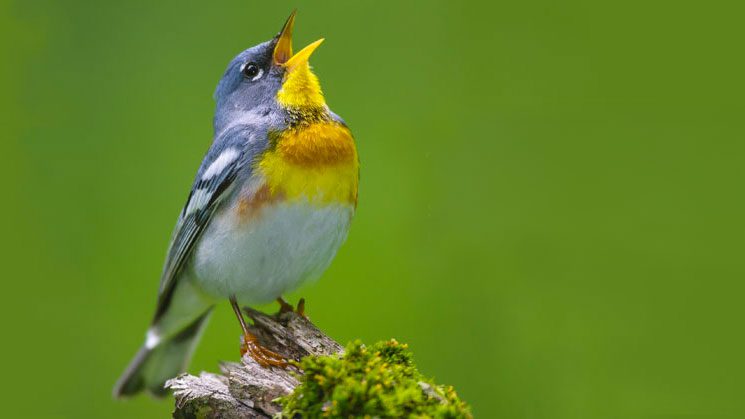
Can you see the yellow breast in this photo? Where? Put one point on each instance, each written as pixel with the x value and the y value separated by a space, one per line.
pixel 316 161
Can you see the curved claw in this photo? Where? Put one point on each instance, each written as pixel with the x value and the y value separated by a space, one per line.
pixel 301 307
pixel 285 307
pixel 260 354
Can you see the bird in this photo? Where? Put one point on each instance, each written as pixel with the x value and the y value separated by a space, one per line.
pixel 269 207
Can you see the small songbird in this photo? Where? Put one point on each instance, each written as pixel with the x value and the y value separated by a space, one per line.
pixel 271 204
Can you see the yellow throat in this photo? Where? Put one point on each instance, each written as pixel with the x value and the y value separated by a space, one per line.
pixel 301 89
pixel 315 158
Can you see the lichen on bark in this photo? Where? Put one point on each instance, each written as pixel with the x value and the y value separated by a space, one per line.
pixel 327 380
pixel 376 381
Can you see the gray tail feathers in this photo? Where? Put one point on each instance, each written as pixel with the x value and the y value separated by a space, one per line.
pixel 152 367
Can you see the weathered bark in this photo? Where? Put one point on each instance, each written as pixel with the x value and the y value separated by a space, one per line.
pixel 246 389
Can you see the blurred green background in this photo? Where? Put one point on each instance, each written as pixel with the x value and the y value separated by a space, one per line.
pixel 550 214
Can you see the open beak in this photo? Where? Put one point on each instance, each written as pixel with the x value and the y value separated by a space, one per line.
pixel 283 49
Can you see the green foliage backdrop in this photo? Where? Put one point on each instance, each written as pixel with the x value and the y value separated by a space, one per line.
pixel 551 208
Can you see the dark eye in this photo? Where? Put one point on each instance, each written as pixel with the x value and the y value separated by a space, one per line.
pixel 251 70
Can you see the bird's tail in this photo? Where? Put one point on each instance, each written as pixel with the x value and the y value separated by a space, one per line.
pixel 155 363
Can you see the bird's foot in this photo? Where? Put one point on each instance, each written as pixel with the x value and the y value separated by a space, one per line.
pixel 285 307
pixel 261 354
pixel 301 307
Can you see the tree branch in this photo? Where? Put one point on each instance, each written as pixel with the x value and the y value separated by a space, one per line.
pixel 246 389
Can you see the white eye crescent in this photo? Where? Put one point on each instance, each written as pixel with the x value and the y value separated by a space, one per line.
pixel 252 71
pixel 258 76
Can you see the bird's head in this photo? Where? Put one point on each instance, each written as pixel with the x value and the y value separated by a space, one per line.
pixel 269 76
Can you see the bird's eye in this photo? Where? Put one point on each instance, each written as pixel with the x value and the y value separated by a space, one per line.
pixel 251 71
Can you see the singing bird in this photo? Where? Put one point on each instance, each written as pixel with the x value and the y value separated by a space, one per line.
pixel 271 203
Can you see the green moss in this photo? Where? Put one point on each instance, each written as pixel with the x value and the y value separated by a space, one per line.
pixel 376 381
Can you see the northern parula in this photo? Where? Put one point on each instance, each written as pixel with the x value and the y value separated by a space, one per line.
pixel 271 203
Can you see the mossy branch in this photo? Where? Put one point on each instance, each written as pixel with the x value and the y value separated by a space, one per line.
pixel 326 380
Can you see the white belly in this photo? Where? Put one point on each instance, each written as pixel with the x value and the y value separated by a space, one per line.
pixel 258 260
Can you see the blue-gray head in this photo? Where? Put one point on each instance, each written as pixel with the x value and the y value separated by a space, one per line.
pixel 268 78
